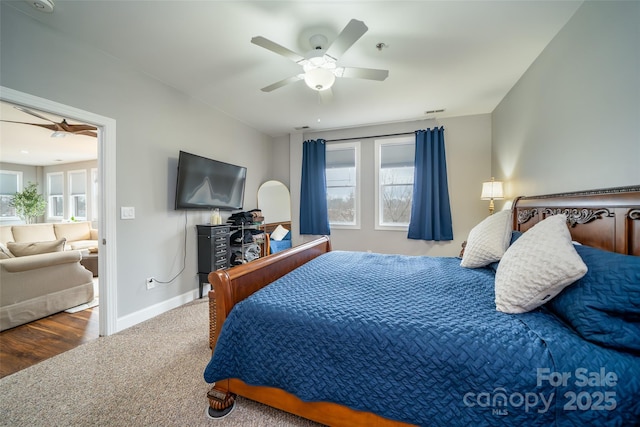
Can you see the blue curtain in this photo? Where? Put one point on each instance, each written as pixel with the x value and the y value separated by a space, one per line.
pixel 314 217
pixel 430 210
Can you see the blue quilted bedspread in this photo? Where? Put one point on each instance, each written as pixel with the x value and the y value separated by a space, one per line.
pixel 418 339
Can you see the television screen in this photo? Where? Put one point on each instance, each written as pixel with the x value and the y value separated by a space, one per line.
pixel 207 184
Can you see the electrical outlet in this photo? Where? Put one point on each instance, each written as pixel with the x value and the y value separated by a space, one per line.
pixel 151 283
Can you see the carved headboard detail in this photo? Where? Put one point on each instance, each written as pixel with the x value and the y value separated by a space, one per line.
pixel 579 216
pixel 608 219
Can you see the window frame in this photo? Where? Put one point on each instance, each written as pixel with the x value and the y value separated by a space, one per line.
pixel 50 197
pixel 355 145
pixel 72 197
pixel 379 143
pixel 19 187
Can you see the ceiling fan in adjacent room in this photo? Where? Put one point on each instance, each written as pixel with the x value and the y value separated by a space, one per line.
pixel 60 129
pixel 320 65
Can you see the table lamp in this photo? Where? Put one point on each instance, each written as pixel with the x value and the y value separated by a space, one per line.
pixel 492 190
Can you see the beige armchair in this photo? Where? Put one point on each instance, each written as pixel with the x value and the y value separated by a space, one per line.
pixel 35 286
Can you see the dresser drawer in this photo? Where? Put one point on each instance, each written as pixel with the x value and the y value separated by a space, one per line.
pixel 220 230
pixel 220 239
pixel 213 231
pixel 221 265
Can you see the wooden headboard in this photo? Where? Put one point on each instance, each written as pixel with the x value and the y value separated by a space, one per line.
pixel 608 219
pixel 268 228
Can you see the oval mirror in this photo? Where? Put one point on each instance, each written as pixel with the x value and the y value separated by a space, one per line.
pixel 274 201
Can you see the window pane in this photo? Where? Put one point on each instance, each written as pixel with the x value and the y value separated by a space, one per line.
pixel 56 183
pixel 78 182
pixel 395 182
pixel 396 204
pixel 10 184
pixel 397 155
pixel 339 158
pixel 56 206
pixel 6 211
pixel 341 177
pixel 79 207
pixel 342 183
pixel 341 203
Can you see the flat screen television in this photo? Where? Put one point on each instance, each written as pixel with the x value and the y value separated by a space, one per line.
pixel 208 184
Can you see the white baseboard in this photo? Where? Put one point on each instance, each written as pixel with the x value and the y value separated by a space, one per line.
pixel 153 311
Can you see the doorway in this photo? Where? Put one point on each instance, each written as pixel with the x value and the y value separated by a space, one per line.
pixel 106 188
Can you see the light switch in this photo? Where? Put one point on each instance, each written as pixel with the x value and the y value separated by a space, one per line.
pixel 127 212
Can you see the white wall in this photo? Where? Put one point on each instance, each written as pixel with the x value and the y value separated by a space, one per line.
pixel 154 122
pixel 468 151
pixel 280 160
pixel 572 122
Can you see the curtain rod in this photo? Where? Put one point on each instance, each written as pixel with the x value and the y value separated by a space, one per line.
pixel 369 137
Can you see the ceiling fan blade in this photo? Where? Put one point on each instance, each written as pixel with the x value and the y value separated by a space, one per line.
pixel 349 35
pixel 276 48
pixel 53 127
pixel 364 73
pixel 326 96
pixel 75 128
pixel 281 83
pixel 25 110
pixel 86 133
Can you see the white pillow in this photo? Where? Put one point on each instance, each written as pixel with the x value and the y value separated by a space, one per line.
pixel 279 233
pixel 488 241
pixel 537 267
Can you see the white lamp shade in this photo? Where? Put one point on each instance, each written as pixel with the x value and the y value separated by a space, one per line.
pixel 492 190
pixel 319 78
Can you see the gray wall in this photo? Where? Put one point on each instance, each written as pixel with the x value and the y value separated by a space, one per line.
pixel 154 122
pixel 468 151
pixel 572 122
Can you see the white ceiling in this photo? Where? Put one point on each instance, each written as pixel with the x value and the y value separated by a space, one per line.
pixel 461 56
pixel 34 145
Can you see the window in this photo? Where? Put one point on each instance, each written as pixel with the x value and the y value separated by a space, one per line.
pixel 55 187
pixel 394 182
pixel 10 184
pixel 343 193
pixel 78 194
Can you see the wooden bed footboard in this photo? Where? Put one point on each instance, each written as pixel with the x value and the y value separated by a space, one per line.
pixel 234 285
pixel 229 287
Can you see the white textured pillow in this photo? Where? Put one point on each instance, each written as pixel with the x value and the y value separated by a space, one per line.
pixel 537 267
pixel 488 241
pixel 279 233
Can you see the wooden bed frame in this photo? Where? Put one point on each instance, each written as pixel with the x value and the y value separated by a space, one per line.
pixel 608 219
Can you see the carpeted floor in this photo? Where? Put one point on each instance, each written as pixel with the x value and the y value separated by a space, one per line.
pixel 147 375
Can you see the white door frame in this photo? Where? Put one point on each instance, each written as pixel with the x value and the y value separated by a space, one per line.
pixel 107 262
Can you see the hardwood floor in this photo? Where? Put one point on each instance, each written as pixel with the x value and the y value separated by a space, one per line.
pixel 26 345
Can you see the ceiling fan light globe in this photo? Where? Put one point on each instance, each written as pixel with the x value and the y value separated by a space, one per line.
pixel 319 79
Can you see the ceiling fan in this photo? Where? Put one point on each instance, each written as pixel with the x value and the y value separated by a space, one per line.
pixel 60 129
pixel 320 64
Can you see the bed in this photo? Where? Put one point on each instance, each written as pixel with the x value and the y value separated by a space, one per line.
pixel 281 240
pixel 354 338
